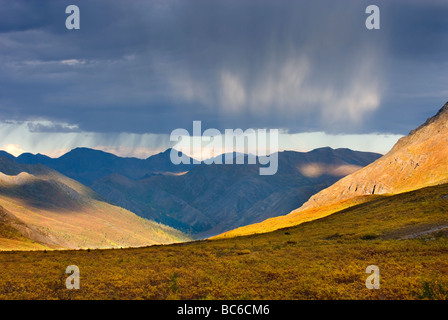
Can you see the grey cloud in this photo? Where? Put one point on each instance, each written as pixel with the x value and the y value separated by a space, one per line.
pixel 51 127
pixel 152 66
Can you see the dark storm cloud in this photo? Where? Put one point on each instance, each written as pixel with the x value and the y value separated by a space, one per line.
pixel 417 64
pixel 152 66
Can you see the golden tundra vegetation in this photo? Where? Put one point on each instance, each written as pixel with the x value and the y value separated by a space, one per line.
pixel 405 235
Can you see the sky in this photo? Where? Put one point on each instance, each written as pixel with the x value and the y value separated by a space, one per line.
pixel 137 70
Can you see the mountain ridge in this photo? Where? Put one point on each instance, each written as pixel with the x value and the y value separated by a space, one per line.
pixel 209 199
pixel 87 165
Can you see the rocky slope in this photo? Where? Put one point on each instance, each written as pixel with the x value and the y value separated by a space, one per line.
pixel 418 160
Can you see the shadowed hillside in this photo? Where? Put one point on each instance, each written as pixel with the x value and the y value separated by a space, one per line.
pixel 210 199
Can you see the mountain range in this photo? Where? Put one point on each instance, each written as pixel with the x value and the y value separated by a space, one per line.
pixel 88 165
pixel 205 200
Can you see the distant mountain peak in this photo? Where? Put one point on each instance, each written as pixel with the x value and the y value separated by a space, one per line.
pixel 166 152
pixel 84 150
pixel 444 109
pixel 6 154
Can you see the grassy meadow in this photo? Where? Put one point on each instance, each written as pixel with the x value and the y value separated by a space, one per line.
pixel 404 235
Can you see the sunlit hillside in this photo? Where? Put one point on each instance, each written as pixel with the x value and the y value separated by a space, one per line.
pixel 93 225
pixel 293 219
pixel 41 208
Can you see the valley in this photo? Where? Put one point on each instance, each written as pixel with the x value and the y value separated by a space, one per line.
pixel 239 151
